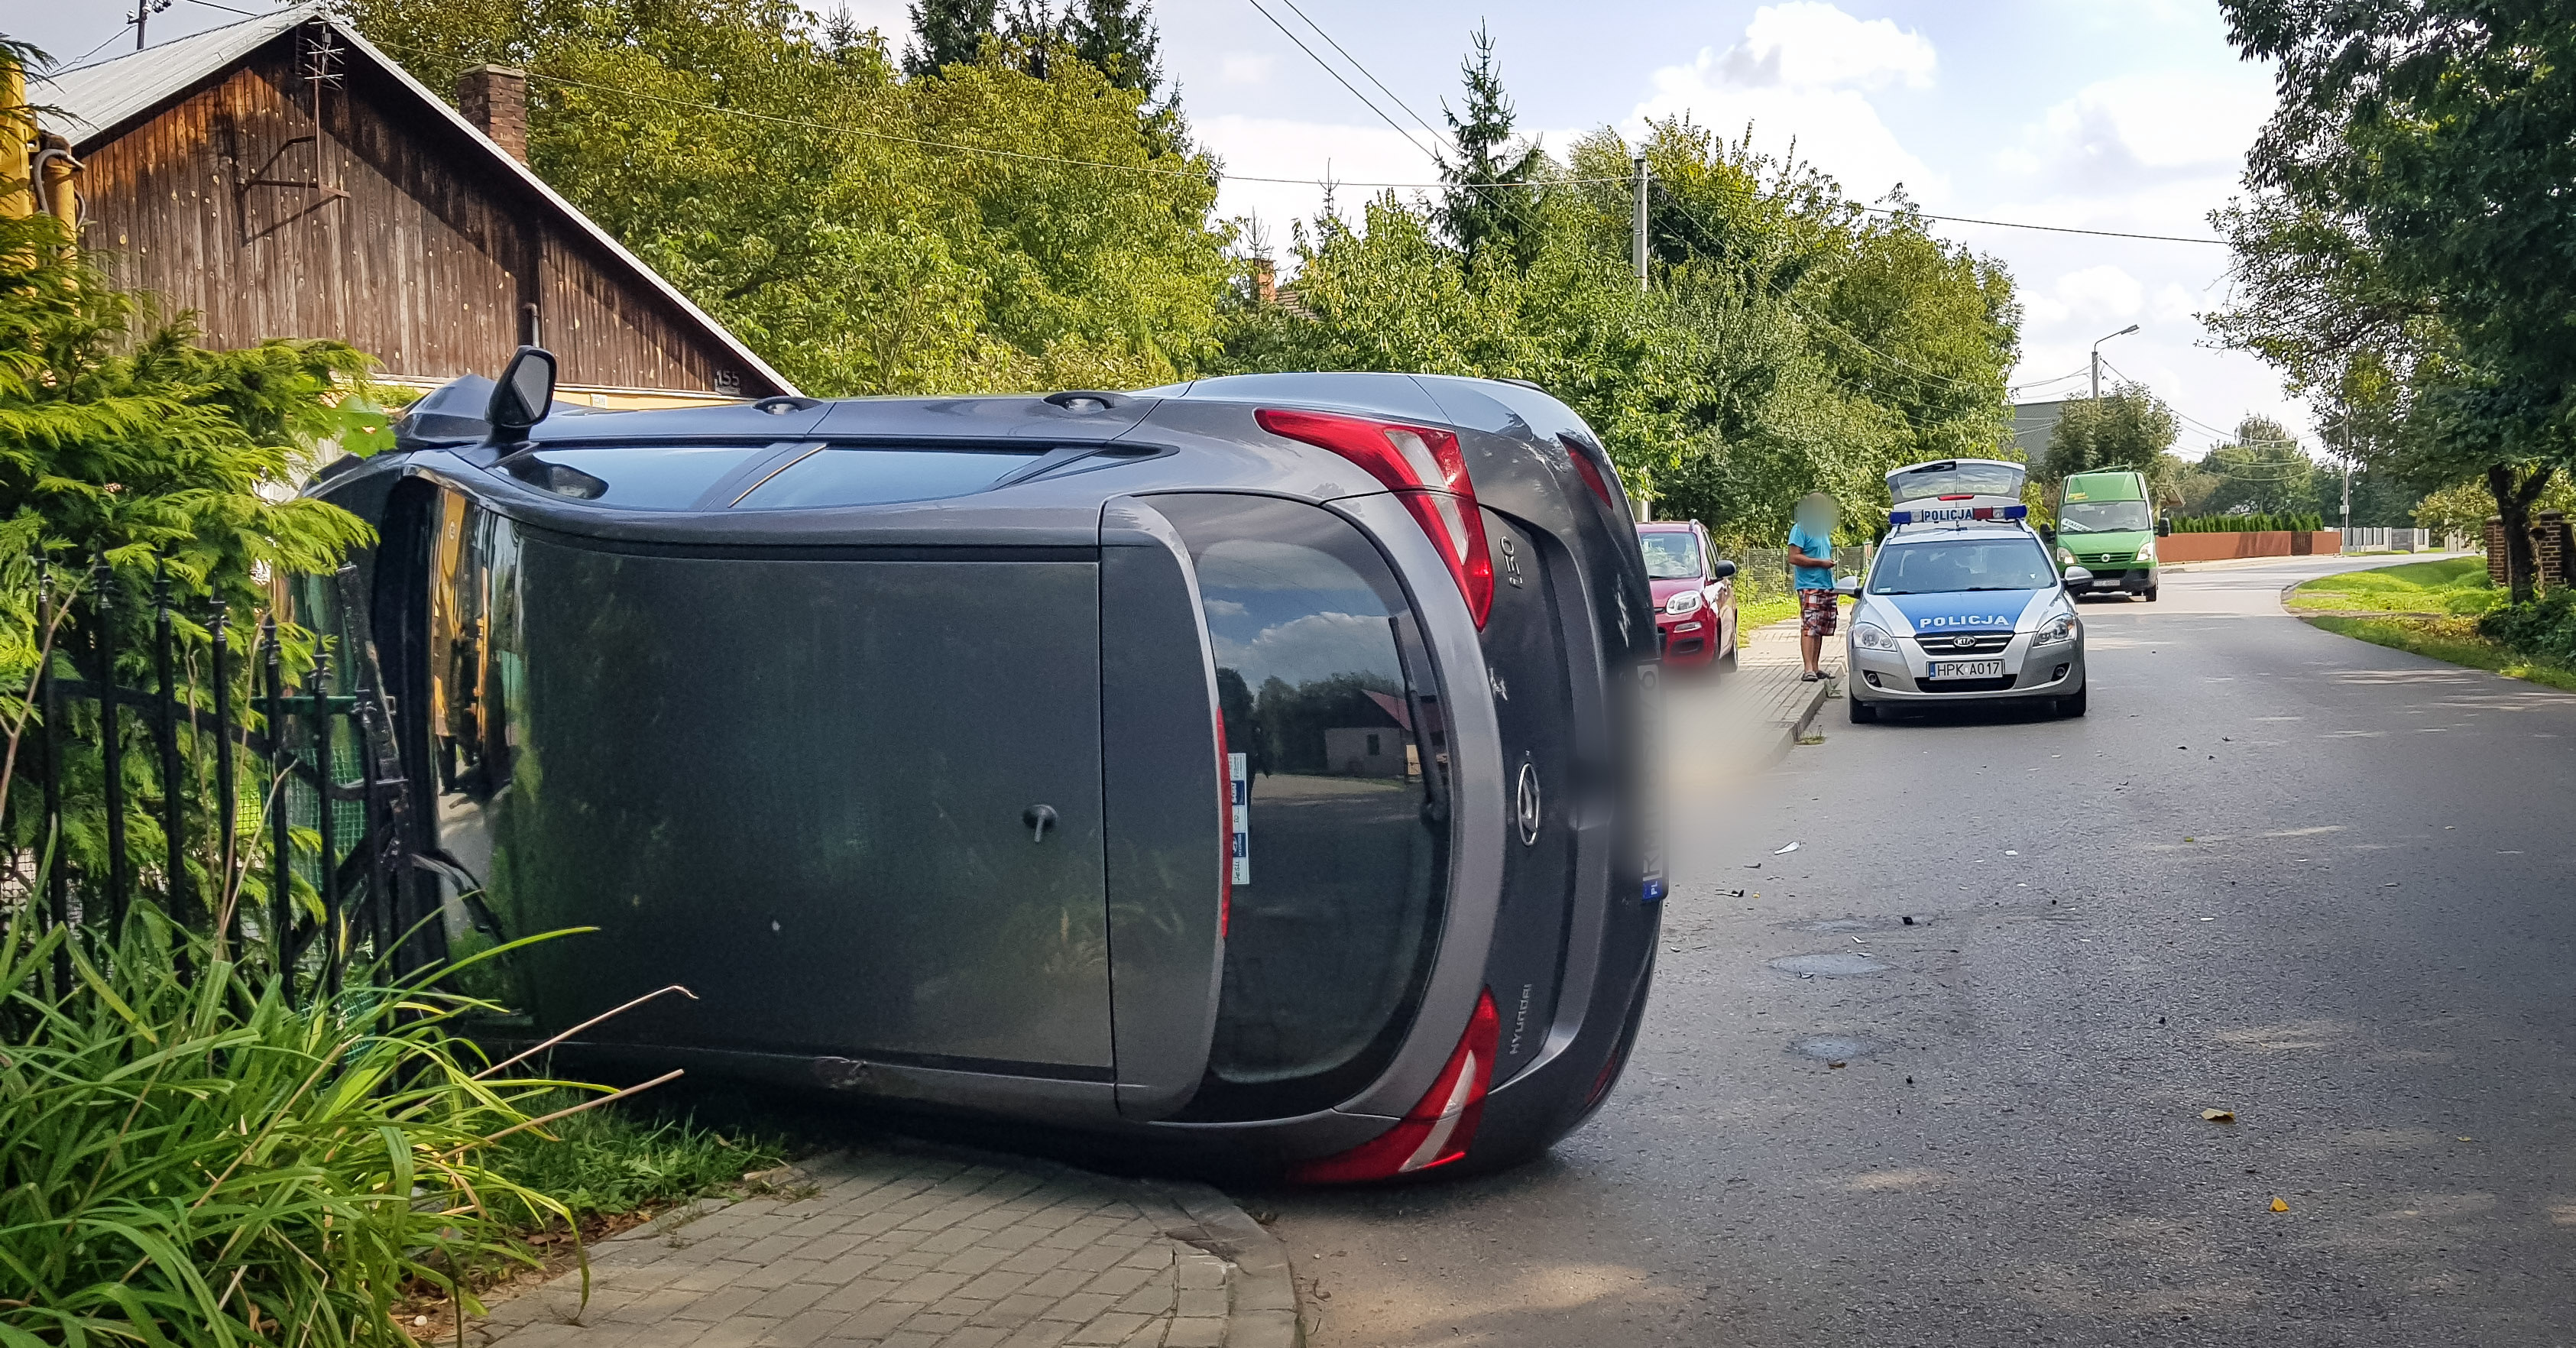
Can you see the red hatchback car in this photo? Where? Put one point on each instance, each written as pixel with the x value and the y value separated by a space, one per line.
pixel 1694 594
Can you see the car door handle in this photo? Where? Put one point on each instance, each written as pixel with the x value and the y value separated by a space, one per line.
pixel 1038 819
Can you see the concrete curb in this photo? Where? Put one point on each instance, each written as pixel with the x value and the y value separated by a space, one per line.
pixel 1807 719
pixel 1262 1309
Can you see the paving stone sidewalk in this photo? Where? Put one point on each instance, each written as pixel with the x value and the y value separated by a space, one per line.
pixel 927 1248
pixel 1748 716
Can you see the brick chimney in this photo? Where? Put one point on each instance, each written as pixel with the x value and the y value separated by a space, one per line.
pixel 495 100
pixel 1265 281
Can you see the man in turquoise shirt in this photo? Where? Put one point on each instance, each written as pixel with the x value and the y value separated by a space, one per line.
pixel 1811 553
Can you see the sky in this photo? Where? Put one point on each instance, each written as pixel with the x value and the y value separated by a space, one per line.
pixel 2127 115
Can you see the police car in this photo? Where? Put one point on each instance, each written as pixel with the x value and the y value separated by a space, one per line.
pixel 1962 602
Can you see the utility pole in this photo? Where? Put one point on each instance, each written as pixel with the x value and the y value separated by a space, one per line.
pixel 143 11
pixel 1637 243
pixel 2097 358
pixel 2347 481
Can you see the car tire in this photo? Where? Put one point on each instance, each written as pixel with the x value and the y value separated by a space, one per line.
pixel 2151 594
pixel 2073 703
pixel 1734 637
pixel 1862 713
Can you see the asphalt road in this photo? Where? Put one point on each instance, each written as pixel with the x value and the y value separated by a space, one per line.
pixel 2320 884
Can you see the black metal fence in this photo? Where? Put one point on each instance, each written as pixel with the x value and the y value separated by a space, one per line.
pixel 258 800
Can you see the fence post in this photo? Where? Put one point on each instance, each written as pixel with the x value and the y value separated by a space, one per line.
pixel 173 791
pixel 111 759
pixel 227 785
pixel 281 766
pixel 334 942
pixel 58 894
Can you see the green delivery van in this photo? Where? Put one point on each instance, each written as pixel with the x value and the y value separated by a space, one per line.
pixel 2106 523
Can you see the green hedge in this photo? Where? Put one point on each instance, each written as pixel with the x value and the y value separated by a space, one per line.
pixel 2249 524
pixel 2545 627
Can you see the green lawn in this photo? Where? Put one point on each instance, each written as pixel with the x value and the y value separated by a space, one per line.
pixel 2429 608
pixel 2454 588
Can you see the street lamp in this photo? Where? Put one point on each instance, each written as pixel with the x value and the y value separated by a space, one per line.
pixel 2097 358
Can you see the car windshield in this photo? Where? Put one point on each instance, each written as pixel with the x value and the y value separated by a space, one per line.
pixel 1953 566
pixel 1671 556
pixel 2104 517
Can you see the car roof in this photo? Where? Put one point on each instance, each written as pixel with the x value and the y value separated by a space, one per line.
pixel 1666 526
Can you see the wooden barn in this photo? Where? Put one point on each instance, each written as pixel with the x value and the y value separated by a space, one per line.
pixel 283 178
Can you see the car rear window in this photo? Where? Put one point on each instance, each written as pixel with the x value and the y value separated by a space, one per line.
pixel 1964 477
pixel 852 475
pixel 1326 694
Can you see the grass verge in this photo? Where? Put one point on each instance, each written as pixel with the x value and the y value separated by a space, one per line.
pixel 1762 612
pixel 2452 639
pixel 2456 587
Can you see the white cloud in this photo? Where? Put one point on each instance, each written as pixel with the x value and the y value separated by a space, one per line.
pixel 1239 67
pixel 1316 646
pixel 1804 44
pixel 1799 73
pixel 2141 130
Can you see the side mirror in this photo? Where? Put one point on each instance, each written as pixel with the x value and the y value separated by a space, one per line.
pixel 1720 570
pixel 525 392
pixel 2164 526
pixel 2076 575
pixel 1848 585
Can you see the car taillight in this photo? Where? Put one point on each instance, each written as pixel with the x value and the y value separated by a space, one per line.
pixel 1589 471
pixel 1422 465
pixel 1437 1129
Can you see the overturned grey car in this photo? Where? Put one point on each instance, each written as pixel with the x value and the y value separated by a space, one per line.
pixel 1246 766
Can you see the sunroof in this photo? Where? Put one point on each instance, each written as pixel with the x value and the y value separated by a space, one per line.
pixel 845 475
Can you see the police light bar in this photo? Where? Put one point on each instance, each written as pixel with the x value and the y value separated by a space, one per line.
pixel 1946 514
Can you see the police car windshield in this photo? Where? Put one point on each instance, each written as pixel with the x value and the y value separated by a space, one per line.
pixel 2103 517
pixel 1671 556
pixel 1960 565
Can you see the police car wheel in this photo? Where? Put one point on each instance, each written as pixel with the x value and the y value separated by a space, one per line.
pixel 1862 713
pixel 2072 705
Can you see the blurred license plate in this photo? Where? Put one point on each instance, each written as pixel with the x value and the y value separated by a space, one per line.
pixel 1967 669
pixel 2104 584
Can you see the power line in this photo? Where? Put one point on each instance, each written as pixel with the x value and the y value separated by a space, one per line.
pixel 1394 97
pixel 2053 229
pixel 1286 32
pixel 1150 170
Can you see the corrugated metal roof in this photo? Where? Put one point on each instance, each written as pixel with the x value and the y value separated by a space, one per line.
pixel 97 98
pixel 101 97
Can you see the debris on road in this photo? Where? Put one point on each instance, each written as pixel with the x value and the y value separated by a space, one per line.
pixel 1784 851
pixel 2280 1205
pixel 2219 1115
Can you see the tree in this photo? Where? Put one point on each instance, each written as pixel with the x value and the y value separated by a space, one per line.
pixel 1490 199
pixel 2262 471
pixel 1117 37
pixel 2126 428
pixel 975 229
pixel 946 33
pixel 2409 205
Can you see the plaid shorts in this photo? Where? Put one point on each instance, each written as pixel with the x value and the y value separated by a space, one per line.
pixel 1816 612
